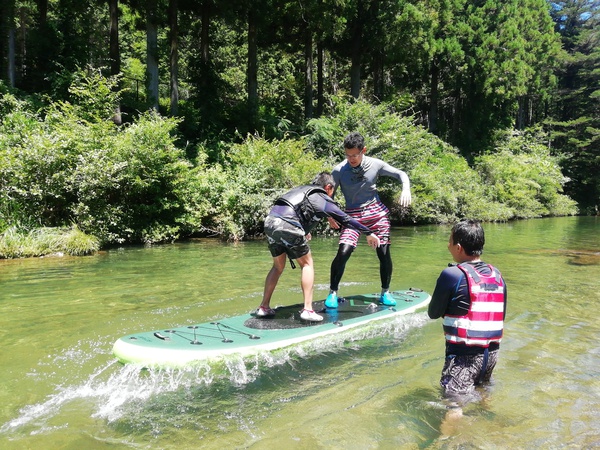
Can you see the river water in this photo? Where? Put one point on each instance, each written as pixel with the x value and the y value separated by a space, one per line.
pixel 62 389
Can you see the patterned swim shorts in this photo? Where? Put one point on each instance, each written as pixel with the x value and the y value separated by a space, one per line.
pixel 375 216
pixel 461 374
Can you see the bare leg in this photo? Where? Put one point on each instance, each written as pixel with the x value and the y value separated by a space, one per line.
pixel 451 423
pixel 273 278
pixel 307 279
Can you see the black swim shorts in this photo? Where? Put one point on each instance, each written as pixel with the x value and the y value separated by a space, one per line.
pixel 283 237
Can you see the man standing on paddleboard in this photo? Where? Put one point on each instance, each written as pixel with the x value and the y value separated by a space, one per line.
pixel 287 228
pixel 357 178
pixel 471 297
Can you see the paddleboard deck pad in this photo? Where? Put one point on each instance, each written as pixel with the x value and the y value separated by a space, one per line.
pixel 248 334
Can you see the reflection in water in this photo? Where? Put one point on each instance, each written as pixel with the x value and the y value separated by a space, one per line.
pixel 376 388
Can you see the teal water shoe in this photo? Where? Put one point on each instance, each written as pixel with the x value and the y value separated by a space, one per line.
pixel 387 299
pixel 332 300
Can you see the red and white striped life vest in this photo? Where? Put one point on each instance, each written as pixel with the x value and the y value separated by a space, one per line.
pixel 484 322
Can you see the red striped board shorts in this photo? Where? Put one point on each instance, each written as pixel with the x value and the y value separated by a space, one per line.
pixel 374 215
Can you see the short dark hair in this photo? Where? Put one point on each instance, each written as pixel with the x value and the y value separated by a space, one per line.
pixel 354 140
pixel 323 179
pixel 469 234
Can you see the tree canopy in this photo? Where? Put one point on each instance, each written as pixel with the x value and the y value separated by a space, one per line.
pixel 470 72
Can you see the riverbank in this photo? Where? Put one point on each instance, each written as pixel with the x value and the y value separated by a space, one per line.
pixel 15 243
pixel 46 241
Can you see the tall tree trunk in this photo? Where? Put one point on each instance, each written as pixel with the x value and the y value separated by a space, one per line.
pixel 356 60
pixel 41 48
pixel 115 54
pixel 434 97
pixel 3 39
pixel 377 76
pixel 42 11
pixel 8 40
pixel 308 67
pixel 23 41
pixel 174 58
pixel 356 49
pixel 205 81
pixel 204 35
pixel 320 80
pixel 455 119
pixel 12 67
pixel 252 72
pixel 521 121
pixel 152 54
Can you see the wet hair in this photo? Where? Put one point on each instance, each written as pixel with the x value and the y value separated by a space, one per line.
pixel 354 140
pixel 469 234
pixel 323 179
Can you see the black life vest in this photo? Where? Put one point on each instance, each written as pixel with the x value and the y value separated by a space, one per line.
pixel 297 199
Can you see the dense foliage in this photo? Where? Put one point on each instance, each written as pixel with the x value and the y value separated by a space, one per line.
pixel 575 121
pixel 148 121
pixel 464 69
pixel 70 164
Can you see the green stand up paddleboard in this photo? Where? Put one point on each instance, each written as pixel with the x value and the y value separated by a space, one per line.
pixel 248 334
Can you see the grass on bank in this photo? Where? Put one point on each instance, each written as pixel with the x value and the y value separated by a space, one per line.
pixel 15 243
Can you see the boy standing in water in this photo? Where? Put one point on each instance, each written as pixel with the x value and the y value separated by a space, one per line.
pixel 287 228
pixel 357 177
pixel 471 297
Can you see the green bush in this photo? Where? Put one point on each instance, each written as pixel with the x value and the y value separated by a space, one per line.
pixel 256 172
pixel 30 170
pixel 74 165
pixel 15 243
pixel 443 185
pixel 446 189
pixel 133 186
pixel 70 164
pixel 388 135
pixel 520 179
pixel 522 175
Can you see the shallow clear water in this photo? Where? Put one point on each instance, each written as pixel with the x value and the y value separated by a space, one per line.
pixel 373 388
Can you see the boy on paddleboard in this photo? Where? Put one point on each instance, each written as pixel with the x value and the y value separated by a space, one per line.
pixel 287 228
pixel 357 178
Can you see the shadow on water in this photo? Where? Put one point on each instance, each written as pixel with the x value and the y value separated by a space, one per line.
pixel 583 258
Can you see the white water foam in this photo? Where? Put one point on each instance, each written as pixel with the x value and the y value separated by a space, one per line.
pixel 113 387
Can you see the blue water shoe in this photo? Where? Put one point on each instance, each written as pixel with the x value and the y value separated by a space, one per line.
pixel 332 300
pixel 387 299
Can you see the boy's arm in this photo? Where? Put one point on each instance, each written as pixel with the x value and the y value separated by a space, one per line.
pixel 445 289
pixel 331 209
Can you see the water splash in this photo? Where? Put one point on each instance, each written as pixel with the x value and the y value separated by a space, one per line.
pixel 113 390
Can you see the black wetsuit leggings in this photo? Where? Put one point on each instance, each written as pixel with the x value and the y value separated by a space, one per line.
pixel 343 255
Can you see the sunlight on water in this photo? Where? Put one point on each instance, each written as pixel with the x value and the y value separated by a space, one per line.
pixel 63 389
